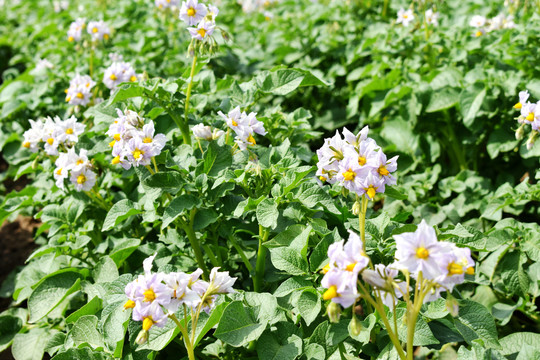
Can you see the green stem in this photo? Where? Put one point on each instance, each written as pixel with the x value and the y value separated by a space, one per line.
pixel 188 228
pixel 412 316
pixel 187 342
pixel 455 144
pixel 241 253
pixel 188 96
pixel 211 255
pixel 261 259
pixel 362 221
pixel 385 8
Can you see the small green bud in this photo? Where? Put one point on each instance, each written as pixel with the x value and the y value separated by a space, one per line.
pixel 452 306
pixel 355 326
pixel 334 312
pixel 142 337
pixel 356 208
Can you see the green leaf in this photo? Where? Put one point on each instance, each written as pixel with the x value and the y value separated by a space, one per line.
pixel 290 285
pixel 312 196
pixel 9 327
pixel 85 331
pixel 105 270
pixel 237 326
pixel 31 345
pixel 267 213
pixel 309 305
pixel 471 100
pixel 289 260
pixel 118 213
pixel 208 322
pixel 216 159
pixel 177 206
pixel 51 291
pixel 158 338
pixel 165 180
pixel 475 322
pixel 366 326
pixel 442 100
pixel 91 308
pixel 114 322
pixel 422 333
pixel 81 354
pixel 271 348
pixel 513 343
pixel 314 352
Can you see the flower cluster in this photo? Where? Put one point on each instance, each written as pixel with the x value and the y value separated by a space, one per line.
pixel 60 5
pixel 202 24
pixel 442 264
pixel 406 17
pixel 155 296
pixel 98 30
pixel 244 126
pixel 119 72
pixel 484 25
pixel 77 168
pixel 54 133
pixel 249 6
pixel 356 162
pixel 134 142
pixel 80 90
pixel 205 132
pixel 167 4
pixel 529 115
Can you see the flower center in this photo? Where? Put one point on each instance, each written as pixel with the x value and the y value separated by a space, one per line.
pixel 370 191
pixel 26 144
pixel 330 293
pixel 350 267
pixel 383 171
pixel 115 160
pixel 95 30
pixel 251 139
pixel 191 11
pixel 149 295
pixel 325 269
pixel 470 270
pixel 518 106
pixel 422 253
pixel 117 137
pixel 113 77
pixel 349 175
pixel 147 140
pixel 147 323
pixel 361 160
pixel 530 117
pixel 202 32
pixel 130 304
pixel 234 123
pixel 69 131
pixel 133 78
pixel 59 172
pixel 111 144
pixel 79 162
pixel 137 153
pixel 81 179
pixel 50 141
pixel 455 269
pixel 80 95
pixel 478 33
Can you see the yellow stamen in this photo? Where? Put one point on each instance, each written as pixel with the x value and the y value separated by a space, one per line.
pixel 59 172
pixel 330 293
pixel 133 78
pixel 325 269
pixel 68 99
pixel 117 137
pixel 383 171
pixel 66 91
pixel 350 267
pixel 322 178
pixel 80 95
pixel 113 77
pixel 147 323
pixel 470 270
pixel 530 117
pixel 454 269
pixel 147 140
pixel 26 144
pixel 111 144
pixel 234 123
pixel 149 295
pixel 115 160
pixel 70 39
pixel 130 304
pixel 50 141
pixel 361 160
pixel 137 153
pixel 81 179
pixel 478 33
pixel 106 36
pixel 422 253
pixel 95 30
pixel 518 106
pixel 349 175
pixel 79 162
pixel 69 131
pixel 191 12
pixel 202 32
pixel 370 191
pixel 251 139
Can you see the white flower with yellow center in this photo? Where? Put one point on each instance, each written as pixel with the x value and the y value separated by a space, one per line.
pixel 192 12
pixel 405 17
pixel 478 21
pixel 98 30
pixel 83 180
pixel 432 18
pixel 75 30
pixel 203 31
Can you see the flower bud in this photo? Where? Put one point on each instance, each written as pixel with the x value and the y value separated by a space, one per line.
pixel 452 306
pixel 531 140
pixel 225 35
pixel 142 337
pixel 334 312
pixel 355 326
pixel 35 163
pixel 356 208
pixel 191 50
pixel 520 132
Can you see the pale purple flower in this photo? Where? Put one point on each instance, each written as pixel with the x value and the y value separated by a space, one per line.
pixel 192 12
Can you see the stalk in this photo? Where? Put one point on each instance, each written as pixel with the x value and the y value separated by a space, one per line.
pixel 362 221
pixel 241 253
pixel 187 342
pixel 188 96
pixel 261 259
pixel 188 228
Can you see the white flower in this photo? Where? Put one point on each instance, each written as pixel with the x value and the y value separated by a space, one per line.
pixel 80 90
pixel 477 21
pixel 98 30
pixel 523 97
pixel 204 30
pixel 432 18
pixel 69 130
pixel 405 17
pixel 192 12
pixel 43 64
pixel 33 136
pixel 75 30
pixel 155 142
pixel 202 132
pixel 167 4
pixel 83 180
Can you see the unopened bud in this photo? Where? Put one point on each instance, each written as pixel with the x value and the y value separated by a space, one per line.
pixel 531 140
pixel 520 132
pixel 35 163
pixel 334 312
pixel 452 306
pixel 142 337
pixel 225 35
pixel 356 208
pixel 191 50
pixel 355 326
